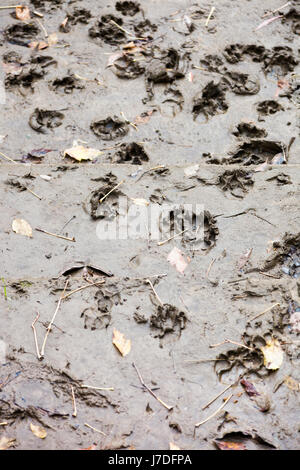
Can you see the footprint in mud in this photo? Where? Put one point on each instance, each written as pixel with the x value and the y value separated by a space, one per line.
pixel 100 318
pixel 237 182
pixel 158 197
pixel 292 17
pixel 268 107
pixel 248 130
pixel 42 119
pixel 144 28
pixel 109 207
pixel 106 30
pixel 128 8
pixel 172 104
pixel 21 33
pixel 242 83
pixel 211 101
pixel 66 84
pixel 213 63
pixel 234 53
pixel 287 255
pixel 165 68
pixel 127 67
pixel 78 15
pixel 131 153
pixel 280 60
pixel 255 152
pixel 110 128
pixel 168 320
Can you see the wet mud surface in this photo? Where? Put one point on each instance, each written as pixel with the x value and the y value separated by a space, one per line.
pixel 184 110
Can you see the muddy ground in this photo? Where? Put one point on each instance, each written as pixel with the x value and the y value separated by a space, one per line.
pixel 217 104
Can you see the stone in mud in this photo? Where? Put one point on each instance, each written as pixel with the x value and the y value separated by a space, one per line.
pixel 131 153
pixel 105 30
pixel 43 119
pixel 110 128
pixel 211 101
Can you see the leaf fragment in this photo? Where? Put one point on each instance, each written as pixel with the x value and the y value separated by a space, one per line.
pixel 273 354
pixel 38 431
pixel 6 442
pixel 122 344
pixel 79 153
pixel 249 388
pixel 22 13
pixel 22 227
pixel 176 259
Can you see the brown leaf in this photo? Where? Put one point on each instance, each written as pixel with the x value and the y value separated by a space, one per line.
pixel 22 13
pixel 249 387
pixel 38 431
pixel 6 442
pixel 143 118
pixel 121 343
pixel 229 445
pixel 22 227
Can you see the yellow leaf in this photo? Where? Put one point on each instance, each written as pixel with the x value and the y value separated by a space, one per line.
pixel 140 201
pixel 82 153
pixel 174 446
pixel 273 354
pixel 38 431
pixel 6 442
pixel 22 227
pixel 122 344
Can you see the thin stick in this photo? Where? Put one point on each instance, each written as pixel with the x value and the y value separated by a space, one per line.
pixel 110 389
pixel 268 275
pixel 232 342
pixel 10 6
pixel 94 429
pixel 150 169
pixel 81 288
pixel 265 311
pixel 214 399
pixel 277 9
pixel 210 15
pixel 43 27
pixel 8 158
pixel 37 13
pixel 169 408
pixel 52 321
pixel 156 295
pixel 215 413
pixel 4 423
pixel 109 192
pixel 171 238
pixel 33 193
pixel 35 336
pixel 55 235
pixel 74 402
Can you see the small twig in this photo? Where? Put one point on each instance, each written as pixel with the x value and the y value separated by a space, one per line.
pixel 52 321
pixel 169 408
pixel 277 9
pixel 74 402
pixel 232 342
pixel 94 429
pixel 35 336
pixel 109 192
pixel 265 311
pixel 215 413
pixel 150 169
pixel 214 399
pixel 171 238
pixel 10 6
pixel 8 158
pixel 5 423
pixel 37 13
pixel 155 293
pixel 55 235
pixel 43 28
pixel 72 218
pixel 83 287
pixel 109 389
pixel 33 193
pixel 209 16
pixel 269 275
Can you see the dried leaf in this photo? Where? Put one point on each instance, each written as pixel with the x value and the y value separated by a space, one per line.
pixel 292 384
pixel 22 13
pixel 249 387
pixel 229 445
pixel 143 118
pixel 80 153
pixel 6 442
pixel 121 343
pixel 38 431
pixel 273 354
pixel 176 259
pixel 140 201
pixel 22 227
pixel 174 446
pixel 266 22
